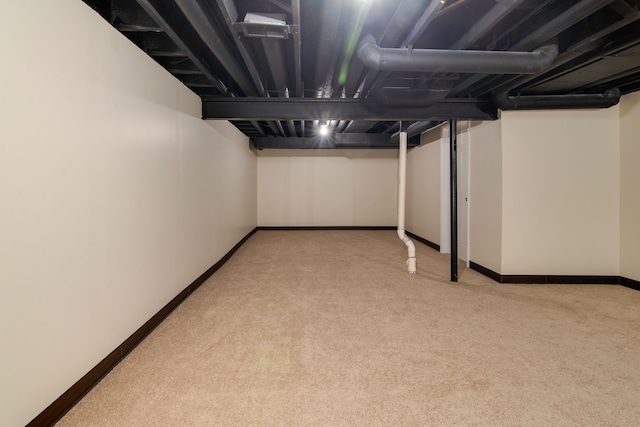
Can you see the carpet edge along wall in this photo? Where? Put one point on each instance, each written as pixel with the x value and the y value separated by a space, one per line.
pixel 68 399
pixel 65 402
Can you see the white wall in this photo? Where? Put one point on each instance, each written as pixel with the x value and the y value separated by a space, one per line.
pixel 630 180
pixel 115 196
pixel 561 197
pixel 544 192
pixel 423 187
pixel 424 213
pixel 327 187
pixel 485 195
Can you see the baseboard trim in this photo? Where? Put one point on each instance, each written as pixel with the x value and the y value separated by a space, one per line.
pixel 325 228
pixel 423 241
pixel 68 399
pixel 65 402
pixel 555 279
pixel 560 279
pixel 630 283
pixel 583 280
pixel 342 228
pixel 487 272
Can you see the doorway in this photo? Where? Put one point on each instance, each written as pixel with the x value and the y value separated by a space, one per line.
pixel 463 192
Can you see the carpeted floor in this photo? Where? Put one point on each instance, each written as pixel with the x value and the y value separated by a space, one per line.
pixel 326 328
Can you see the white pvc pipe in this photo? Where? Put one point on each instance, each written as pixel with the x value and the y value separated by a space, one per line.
pixel 402 184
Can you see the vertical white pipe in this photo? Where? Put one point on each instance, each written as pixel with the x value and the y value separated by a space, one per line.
pixel 402 184
pixel 444 189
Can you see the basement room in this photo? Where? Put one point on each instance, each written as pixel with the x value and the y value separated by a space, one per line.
pixel 320 213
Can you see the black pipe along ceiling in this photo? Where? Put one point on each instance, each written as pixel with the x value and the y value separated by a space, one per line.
pixel 282 70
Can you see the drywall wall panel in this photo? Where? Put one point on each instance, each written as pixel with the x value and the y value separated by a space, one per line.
pixel 629 181
pixel 217 194
pixel 485 195
pixel 423 187
pixel 327 187
pixel 561 198
pixel 115 196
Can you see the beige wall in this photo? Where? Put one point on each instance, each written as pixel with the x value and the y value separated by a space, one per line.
pixel 485 195
pixel 544 192
pixel 630 180
pixel 485 204
pixel 561 195
pixel 115 196
pixel 327 187
pixel 423 187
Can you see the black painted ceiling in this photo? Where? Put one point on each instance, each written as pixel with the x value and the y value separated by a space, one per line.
pixel 282 69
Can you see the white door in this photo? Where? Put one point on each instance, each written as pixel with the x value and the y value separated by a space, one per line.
pixel 463 195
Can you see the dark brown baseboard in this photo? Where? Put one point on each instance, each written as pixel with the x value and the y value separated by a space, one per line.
pixel 555 279
pixel 583 280
pixel 374 228
pixel 541 279
pixel 329 227
pixel 424 241
pixel 484 270
pixel 61 405
pixel 630 283
pixel 560 279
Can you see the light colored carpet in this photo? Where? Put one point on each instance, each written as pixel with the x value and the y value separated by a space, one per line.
pixel 326 328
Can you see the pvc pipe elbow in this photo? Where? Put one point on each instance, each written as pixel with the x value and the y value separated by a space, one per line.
pixel 412 249
pixel 411 263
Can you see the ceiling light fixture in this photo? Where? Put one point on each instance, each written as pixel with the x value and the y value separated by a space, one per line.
pixel 324 130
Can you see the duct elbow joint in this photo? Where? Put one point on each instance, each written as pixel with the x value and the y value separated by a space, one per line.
pixel 503 101
pixel 369 52
pixel 546 55
pixel 611 97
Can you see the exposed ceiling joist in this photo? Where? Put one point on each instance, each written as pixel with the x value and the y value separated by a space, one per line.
pixel 284 68
pixel 177 26
pixel 548 31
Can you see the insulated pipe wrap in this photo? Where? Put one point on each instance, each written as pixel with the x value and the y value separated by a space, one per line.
pixel 454 61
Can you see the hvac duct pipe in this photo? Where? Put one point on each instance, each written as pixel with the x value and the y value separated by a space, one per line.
pixel 453 158
pixel 402 181
pixel 606 99
pixel 454 61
